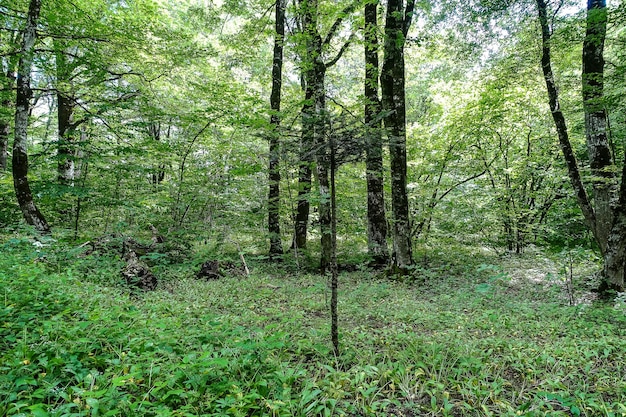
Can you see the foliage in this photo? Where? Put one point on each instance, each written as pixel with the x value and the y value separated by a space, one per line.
pixel 494 319
pixel 258 346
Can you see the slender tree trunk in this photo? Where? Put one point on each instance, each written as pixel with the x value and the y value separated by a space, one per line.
pixel 20 156
pixel 334 273
pixel 276 247
pixel 376 218
pixel 392 80
pixel 560 124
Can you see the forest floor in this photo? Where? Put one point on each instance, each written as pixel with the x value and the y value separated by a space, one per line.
pixel 469 334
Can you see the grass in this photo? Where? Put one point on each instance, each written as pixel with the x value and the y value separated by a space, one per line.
pixel 460 339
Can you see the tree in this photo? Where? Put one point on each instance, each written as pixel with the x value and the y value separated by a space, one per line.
pixel 397 24
pixel 376 217
pixel 31 213
pixel 315 123
pixel 605 215
pixel 276 247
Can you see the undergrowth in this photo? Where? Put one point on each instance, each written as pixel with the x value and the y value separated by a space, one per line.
pixel 460 339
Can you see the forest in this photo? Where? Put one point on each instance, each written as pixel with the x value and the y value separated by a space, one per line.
pixel 312 208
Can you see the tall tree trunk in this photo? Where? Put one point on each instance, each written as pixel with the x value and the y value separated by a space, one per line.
pixel 273 201
pixel 397 24
pixel 20 156
pixel 600 157
pixel 376 218
pixel 609 202
pixel 559 121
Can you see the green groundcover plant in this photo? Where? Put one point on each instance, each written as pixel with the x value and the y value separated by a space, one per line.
pixel 75 342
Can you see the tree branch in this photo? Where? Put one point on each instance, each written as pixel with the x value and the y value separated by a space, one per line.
pixel 335 27
pixel 408 17
pixel 343 49
pixel 458 184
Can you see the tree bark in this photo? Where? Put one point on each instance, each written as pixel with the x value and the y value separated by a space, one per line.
pixel 397 24
pixel 376 217
pixel 323 167
pixel 31 213
pixel 273 226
